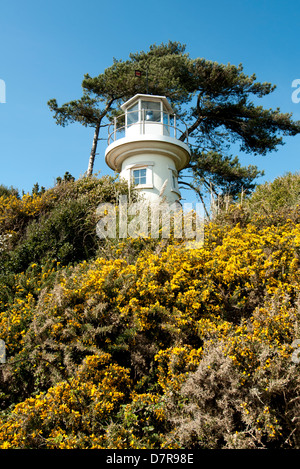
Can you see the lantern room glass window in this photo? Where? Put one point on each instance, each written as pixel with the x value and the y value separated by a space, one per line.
pixel 133 114
pixel 166 121
pixel 147 111
pixel 151 111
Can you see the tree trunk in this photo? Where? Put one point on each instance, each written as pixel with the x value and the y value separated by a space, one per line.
pixel 199 194
pixel 93 150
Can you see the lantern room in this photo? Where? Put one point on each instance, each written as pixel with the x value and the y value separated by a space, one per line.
pixel 144 147
pixel 148 114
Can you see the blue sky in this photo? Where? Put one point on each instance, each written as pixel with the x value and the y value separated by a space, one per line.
pixel 47 47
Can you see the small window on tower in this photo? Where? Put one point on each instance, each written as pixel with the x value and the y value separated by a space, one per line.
pixel 174 181
pixel 139 176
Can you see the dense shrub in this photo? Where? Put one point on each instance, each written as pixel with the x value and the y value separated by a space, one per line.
pixel 57 225
pixel 145 343
pixel 272 203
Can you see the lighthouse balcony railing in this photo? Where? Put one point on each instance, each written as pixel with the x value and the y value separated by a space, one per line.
pixel 147 122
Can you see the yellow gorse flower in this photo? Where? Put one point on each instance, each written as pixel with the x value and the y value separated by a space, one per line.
pixel 164 311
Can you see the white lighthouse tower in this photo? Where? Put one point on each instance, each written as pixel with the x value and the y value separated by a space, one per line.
pixel 144 147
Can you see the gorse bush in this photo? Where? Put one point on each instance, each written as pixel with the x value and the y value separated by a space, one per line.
pixel 8 191
pixel 272 203
pixel 283 193
pixel 144 343
pixel 57 225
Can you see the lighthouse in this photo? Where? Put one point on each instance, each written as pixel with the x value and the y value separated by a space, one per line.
pixel 144 147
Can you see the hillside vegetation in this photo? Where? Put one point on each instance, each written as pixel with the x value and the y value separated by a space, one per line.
pixel 144 343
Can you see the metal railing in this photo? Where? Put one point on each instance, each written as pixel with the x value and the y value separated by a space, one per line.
pixel 142 118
